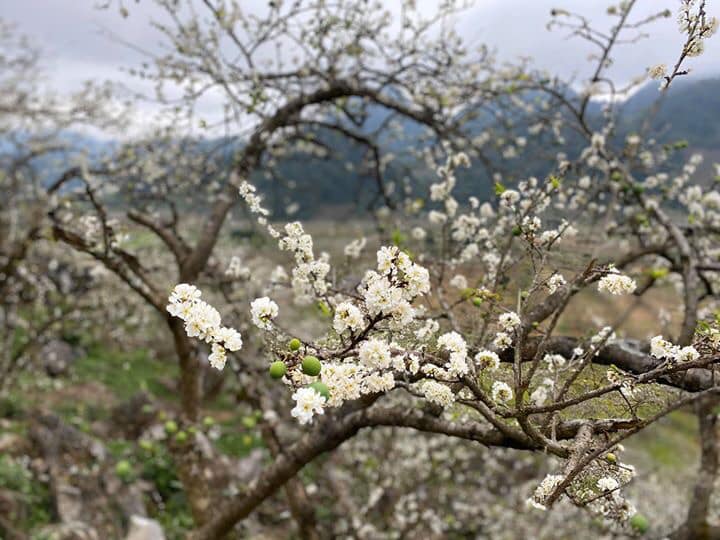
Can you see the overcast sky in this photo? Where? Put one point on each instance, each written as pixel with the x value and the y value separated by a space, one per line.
pixel 74 36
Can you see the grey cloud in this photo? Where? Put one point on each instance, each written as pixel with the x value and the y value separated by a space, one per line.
pixel 76 36
pixel 517 28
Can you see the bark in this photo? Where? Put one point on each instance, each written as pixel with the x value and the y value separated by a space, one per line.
pixel 190 370
pixel 628 355
pixel 275 476
pixel 300 506
pixel 191 462
pixel 330 433
pixel 191 468
pixel 696 526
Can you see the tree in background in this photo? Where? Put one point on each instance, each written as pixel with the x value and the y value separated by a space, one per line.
pixel 40 288
pixel 456 326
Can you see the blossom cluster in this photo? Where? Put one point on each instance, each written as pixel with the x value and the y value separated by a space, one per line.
pixel 507 323
pixel 389 291
pixel 697 25
pixel 544 490
pixel 616 283
pixel 236 270
pixel 308 402
pixel 437 393
pixel 663 349
pixel 309 276
pixel 203 321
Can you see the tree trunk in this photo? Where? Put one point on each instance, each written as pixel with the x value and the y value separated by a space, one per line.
pixel 190 383
pixel 190 459
pixel 696 526
pixel 300 506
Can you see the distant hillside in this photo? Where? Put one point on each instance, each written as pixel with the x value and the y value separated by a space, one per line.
pixel 689 111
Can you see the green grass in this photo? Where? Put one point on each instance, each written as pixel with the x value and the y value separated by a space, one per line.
pixel 139 239
pixel 126 373
pixel 670 443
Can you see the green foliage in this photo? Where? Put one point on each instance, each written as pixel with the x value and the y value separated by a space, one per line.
pixel 156 467
pixel 324 309
pixel 34 495
pixel 398 238
pixel 237 444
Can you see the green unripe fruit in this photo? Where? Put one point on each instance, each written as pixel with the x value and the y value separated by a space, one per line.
pixel 278 369
pixel 616 176
pixel 249 422
pixel 611 458
pixel 477 301
pixel 516 231
pixel 181 437
pixel 641 219
pixel 171 426
pixel 208 421
pixel 658 273
pixel 321 388
pixel 294 344
pixel 640 523
pixel 311 366
pixel 146 445
pixel 123 469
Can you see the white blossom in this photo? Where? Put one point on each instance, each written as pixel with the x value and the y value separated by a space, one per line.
pixel 616 283
pixel 354 248
pixel 374 353
pixel 509 321
pixel 308 402
pixel 459 281
pixel 348 317
pixel 607 483
pixel 502 341
pixel 501 392
pixel 437 393
pixel 487 360
pixel 263 311
pixel 217 357
pixel 555 282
